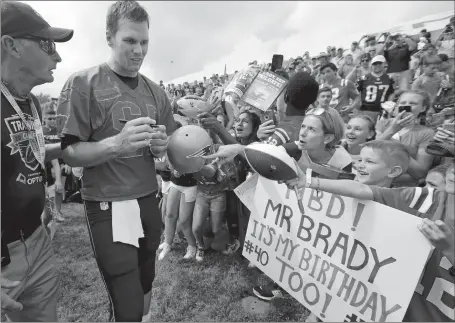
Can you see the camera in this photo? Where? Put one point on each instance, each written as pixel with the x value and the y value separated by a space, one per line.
pixel 406 108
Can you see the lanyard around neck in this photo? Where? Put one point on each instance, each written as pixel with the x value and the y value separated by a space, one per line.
pixel 36 142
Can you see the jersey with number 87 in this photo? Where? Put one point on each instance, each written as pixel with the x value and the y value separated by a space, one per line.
pixel 374 91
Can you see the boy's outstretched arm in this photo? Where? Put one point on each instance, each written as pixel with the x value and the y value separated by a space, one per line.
pixel 347 188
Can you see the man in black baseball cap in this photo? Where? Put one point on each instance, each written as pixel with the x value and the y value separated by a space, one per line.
pixel 20 19
pixel 29 277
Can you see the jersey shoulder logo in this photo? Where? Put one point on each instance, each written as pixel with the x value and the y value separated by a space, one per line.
pixel 20 139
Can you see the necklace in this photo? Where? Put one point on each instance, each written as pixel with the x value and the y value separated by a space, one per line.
pixel 13 91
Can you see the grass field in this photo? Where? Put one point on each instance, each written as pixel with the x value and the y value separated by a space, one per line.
pixel 182 291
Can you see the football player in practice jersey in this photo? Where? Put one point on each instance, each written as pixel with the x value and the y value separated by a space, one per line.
pixel 111 109
pixel 342 90
pixel 375 88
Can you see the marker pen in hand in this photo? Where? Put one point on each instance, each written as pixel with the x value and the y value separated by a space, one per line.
pixel 123 121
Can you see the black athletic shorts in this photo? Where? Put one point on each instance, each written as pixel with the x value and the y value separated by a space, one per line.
pixel 128 272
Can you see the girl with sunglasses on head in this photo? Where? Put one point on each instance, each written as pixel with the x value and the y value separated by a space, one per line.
pixel 320 135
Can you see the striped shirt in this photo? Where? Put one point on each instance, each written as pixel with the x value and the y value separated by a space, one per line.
pixel 434 297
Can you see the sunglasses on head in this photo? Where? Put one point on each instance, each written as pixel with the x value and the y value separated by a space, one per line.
pixel 47 45
pixel 316 111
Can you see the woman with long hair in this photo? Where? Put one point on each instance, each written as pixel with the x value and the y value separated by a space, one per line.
pixel 245 132
pixel 237 216
pixel 247 126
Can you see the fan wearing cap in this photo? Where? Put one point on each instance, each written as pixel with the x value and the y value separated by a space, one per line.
pixel 118 121
pixel 29 277
pixel 375 88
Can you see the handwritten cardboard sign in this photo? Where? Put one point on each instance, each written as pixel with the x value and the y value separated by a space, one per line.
pixel 344 259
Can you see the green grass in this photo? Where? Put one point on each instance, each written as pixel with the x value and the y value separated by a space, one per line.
pixel 182 291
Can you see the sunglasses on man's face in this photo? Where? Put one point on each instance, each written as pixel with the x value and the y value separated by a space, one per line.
pixel 47 45
pixel 365 60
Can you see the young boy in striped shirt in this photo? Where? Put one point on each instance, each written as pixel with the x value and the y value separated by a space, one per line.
pixel 433 299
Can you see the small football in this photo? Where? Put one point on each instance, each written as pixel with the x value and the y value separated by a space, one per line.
pixel 271 162
pixel 192 105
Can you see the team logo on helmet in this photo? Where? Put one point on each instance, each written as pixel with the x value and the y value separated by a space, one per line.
pixel 201 152
pixel 20 139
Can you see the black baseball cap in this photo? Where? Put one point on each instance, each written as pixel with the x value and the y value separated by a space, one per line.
pixel 20 19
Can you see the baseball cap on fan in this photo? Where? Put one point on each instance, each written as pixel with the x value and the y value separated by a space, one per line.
pixel 378 59
pixel 20 19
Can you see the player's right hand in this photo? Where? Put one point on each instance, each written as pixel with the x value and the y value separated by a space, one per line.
pixel 7 302
pixel 265 130
pixel 136 134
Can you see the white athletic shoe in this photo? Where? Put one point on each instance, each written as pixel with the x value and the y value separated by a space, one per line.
pixel 232 248
pixel 161 246
pixel 166 248
pixel 190 253
pixel 200 255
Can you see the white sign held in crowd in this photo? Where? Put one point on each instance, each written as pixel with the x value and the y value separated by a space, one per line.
pixel 344 259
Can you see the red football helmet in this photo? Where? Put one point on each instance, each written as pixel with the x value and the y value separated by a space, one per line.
pixel 186 147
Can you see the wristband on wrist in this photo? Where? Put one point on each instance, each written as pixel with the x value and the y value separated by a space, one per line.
pixel 308 177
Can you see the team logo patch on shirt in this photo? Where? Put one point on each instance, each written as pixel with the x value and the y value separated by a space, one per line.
pixel 20 139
